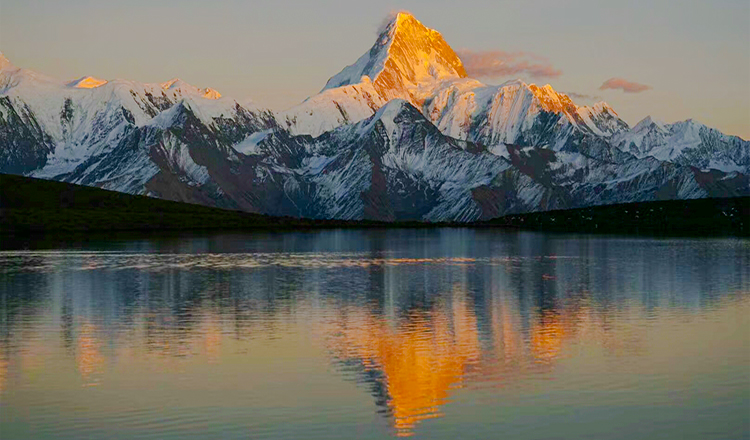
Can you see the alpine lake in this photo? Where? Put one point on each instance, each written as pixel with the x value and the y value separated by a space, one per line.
pixel 431 333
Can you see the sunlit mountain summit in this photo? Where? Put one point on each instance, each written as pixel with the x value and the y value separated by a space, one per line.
pixel 403 133
pixel 407 61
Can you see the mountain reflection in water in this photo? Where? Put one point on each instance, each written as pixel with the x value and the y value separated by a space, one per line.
pixel 426 322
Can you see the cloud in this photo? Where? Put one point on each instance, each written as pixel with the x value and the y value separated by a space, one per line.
pixel 583 96
pixel 624 85
pixel 497 63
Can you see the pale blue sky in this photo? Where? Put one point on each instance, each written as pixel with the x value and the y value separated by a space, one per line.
pixel 694 54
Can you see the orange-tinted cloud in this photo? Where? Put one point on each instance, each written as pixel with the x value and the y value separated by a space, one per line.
pixel 497 63
pixel 624 85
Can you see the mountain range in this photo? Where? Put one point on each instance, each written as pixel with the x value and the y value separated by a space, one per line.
pixel 401 134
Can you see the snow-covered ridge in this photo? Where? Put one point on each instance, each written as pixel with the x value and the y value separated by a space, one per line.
pixel 87 82
pixel 84 118
pixel 332 108
pixel 183 87
pixel 3 61
pixel 688 142
pixel 514 113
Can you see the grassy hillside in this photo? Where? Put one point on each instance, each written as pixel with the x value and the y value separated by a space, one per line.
pixel 30 205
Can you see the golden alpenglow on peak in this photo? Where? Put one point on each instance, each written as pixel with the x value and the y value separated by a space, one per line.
pixel 87 82
pixel 210 93
pixel 553 101
pixel 408 61
pixel 417 40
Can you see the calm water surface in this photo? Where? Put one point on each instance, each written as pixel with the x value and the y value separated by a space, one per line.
pixel 452 333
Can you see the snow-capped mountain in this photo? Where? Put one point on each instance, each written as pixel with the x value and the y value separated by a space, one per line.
pixel 407 62
pixel 687 142
pixel 411 62
pixel 401 134
pixel 517 113
pixel 52 127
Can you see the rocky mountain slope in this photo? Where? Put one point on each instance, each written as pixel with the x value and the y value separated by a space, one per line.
pixel 401 134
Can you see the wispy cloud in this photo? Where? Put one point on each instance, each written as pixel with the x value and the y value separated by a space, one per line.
pixel 583 96
pixel 497 63
pixel 624 85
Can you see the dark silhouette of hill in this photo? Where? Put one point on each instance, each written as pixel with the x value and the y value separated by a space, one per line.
pixel 29 205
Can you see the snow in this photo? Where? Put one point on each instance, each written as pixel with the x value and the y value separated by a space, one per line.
pixel 370 64
pixel 166 119
pixel 208 109
pixel 87 82
pixel 685 142
pixel 387 115
pixel 180 87
pixel 97 112
pixel 409 65
pixel 4 62
pixel 250 144
pixel 648 122
pixel 332 108
pixel 408 61
pixel 413 63
pixel 183 162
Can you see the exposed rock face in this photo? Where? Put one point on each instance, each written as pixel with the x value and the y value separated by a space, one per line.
pixel 24 145
pixel 402 134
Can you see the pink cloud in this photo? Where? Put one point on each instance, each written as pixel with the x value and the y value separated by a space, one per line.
pixel 624 85
pixel 496 63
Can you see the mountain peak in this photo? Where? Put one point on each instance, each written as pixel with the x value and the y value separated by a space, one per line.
pixel 392 115
pixel 210 93
pixel 87 82
pixel 404 21
pixel 177 83
pixel 172 83
pixel 649 122
pixel 552 101
pixel 407 61
pixel 4 63
pixel 602 106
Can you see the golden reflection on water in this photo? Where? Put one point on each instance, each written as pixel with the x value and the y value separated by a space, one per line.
pixel 89 359
pixel 547 335
pixel 420 357
pixel 3 373
pixel 211 332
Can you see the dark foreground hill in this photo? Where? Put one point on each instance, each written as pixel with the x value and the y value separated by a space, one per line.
pixel 36 205
pixel 718 216
pixel 29 205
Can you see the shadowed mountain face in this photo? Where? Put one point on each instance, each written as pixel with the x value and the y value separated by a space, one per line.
pixel 402 134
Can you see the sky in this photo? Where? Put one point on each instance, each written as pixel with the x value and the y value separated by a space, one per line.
pixel 672 59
